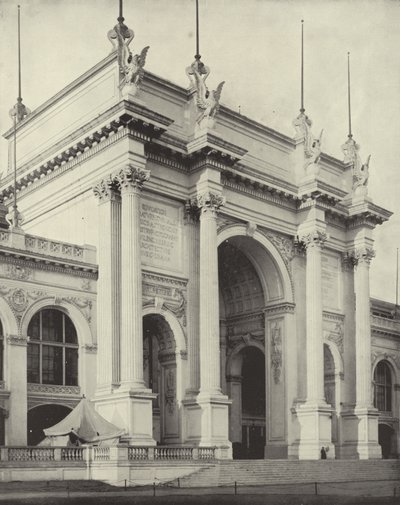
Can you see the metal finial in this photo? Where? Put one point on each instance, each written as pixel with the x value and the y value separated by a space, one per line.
pixel 197 55
pixel 120 18
pixel 350 135
pixel 302 109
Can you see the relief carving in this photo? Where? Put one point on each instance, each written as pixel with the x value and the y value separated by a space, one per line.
pixel 276 352
pixel 170 391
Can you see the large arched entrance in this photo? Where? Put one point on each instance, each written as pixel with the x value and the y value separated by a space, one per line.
pixel 42 417
pixel 242 303
pixel 160 375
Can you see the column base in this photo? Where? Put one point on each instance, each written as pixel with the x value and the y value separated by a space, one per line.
pixel 206 421
pixel 131 410
pixel 315 423
pixel 360 434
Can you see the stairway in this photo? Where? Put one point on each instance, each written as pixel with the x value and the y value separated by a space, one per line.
pixel 264 472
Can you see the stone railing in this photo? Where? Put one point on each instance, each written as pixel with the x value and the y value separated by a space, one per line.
pixel 171 453
pixel 33 454
pixel 101 454
pixel 60 249
pixel 385 324
pixel 86 454
pixel 46 247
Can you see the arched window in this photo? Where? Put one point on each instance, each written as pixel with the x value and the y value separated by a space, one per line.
pixel 383 387
pixel 1 352
pixel 52 349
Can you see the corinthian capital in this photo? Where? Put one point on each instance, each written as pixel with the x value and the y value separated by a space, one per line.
pixel 362 255
pixel 132 177
pixel 209 201
pixel 314 238
pixel 105 189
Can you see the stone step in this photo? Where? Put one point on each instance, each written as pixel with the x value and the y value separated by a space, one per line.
pixel 262 472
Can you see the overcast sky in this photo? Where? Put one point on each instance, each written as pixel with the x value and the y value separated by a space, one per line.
pixel 253 45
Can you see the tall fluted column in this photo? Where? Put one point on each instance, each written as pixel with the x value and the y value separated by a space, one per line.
pixel 315 353
pixel 207 417
pixel 367 415
pixel 362 260
pixel 131 180
pixel 193 319
pixel 314 416
pixel 210 381
pixel 108 287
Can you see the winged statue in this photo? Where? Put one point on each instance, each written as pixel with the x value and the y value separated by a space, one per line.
pixel 132 67
pixel 361 174
pixel 207 102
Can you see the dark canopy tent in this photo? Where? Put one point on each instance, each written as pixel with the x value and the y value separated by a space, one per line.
pixel 86 426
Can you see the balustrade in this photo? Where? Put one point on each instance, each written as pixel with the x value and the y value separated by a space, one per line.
pixel 160 453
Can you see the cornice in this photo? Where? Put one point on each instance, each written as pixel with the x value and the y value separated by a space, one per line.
pixel 149 276
pixel 280 308
pixel 321 191
pixel 263 191
pixel 129 119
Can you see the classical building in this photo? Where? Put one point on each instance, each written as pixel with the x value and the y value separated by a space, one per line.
pixel 224 301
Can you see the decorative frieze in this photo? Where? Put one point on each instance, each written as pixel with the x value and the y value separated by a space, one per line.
pixel 52 389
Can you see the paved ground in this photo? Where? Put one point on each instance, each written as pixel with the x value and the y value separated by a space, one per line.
pixel 89 492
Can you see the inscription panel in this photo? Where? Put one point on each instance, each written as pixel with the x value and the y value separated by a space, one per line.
pixel 331 281
pixel 161 234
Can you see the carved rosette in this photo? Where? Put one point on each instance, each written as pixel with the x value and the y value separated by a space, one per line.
pixel 132 177
pixel 106 189
pixel 315 238
pixel 362 255
pixel 209 201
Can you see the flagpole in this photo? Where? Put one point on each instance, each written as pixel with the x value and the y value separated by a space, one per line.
pixel 397 277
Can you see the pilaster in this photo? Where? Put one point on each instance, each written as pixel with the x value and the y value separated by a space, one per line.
pixel 192 228
pixel 16 423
